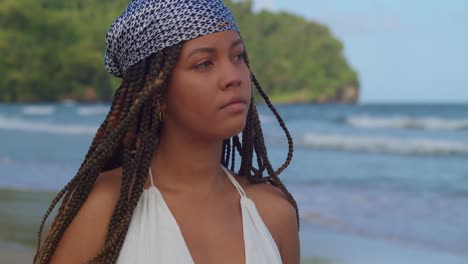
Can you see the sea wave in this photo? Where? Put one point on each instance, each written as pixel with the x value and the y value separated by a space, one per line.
pixel 399 122
pixel 4 160
pixel 369 212
pixel 376 144
pixel 18 124
pixel 266 118
pixel 69 102
pixel 92 110
pixel 38 110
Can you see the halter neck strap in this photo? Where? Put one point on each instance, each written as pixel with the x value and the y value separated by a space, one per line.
pixel 151 176
pixel 231 178
pixel 234 182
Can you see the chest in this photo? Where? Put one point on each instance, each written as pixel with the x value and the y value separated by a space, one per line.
pixel 197 231
pixel 212 230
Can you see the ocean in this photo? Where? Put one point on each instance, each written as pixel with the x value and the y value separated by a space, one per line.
pixel 391 172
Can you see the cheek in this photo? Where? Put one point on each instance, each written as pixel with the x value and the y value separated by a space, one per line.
pixel 247 80
pixel 192 102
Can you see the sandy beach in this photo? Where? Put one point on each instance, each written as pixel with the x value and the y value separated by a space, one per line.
pixel 320 245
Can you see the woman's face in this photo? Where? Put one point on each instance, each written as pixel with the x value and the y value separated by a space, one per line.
pixel 210 74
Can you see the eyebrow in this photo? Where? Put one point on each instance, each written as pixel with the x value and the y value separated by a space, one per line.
pixel 212 50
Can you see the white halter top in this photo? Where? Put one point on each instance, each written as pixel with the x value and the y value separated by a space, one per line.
pixel 154 236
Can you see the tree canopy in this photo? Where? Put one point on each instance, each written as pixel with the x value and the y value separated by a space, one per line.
pixel 53 50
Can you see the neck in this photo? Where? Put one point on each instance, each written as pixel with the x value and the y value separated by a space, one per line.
pixel 183 163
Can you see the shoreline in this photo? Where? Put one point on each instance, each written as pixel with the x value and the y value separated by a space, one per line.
pixel 341 247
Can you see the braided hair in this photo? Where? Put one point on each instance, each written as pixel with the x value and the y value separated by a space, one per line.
pixel 127 138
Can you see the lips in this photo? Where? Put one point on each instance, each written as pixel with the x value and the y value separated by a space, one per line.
pixel 234 101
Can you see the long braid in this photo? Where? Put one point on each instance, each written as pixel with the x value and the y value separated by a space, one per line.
pixel 252 140
pixel 100 132
pixel 261 150
pixel 280 121
pixel 74 181
pixel 247 148
pixel 258 145
pixel 114 226
pixel 129 145
pixel 148 133
pixel 136 189
pixel 135 79
pixel 136 75
pixel 233 153
pixel 104 147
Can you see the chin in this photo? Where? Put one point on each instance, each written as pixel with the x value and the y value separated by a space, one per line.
pixel 232 129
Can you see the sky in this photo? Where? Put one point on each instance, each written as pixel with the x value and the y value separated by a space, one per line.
pixel 404 51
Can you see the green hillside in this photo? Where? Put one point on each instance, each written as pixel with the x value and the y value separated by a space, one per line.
pixel 53 50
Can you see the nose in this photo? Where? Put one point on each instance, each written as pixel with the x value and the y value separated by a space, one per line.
pixel 231 76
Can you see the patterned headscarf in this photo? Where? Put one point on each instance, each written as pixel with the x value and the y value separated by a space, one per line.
pixel 148 26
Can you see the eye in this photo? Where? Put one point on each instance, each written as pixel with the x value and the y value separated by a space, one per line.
pixel 203 65
pixel 240 56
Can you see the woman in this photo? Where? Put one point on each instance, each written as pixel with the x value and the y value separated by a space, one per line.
pixel 154 186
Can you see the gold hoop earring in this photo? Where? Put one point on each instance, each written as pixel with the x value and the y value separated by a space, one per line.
pixel 161 116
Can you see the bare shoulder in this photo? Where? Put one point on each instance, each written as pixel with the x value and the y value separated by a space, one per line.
pixel 85 236
pixel 271 202
pixel 278 214
pixel 268 198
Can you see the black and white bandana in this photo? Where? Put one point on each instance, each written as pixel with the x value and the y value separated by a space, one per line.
pixel 148 26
